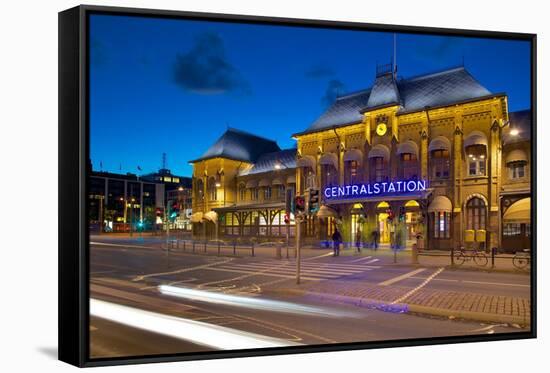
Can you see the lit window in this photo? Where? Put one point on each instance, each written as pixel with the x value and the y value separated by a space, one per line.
pixel 476 214
pixel 379 169
pixel 440 164
pixel 441 224
pixel 516 170
pixel 409 166
pixel 476 155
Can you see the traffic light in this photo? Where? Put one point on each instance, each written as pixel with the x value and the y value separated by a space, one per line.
pixel 287 218
pixel 299 204
pixel 313 200
pixel 401 213
pixel 174 211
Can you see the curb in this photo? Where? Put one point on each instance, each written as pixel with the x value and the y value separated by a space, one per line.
pixel 409 307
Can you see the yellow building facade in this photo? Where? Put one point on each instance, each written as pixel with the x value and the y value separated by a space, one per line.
pixel 433 160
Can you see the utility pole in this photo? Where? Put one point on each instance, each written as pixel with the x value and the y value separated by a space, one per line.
pixel 131 209
pixel 166 219
pixel 298 219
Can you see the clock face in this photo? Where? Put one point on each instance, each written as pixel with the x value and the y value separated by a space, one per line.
pixel 381 129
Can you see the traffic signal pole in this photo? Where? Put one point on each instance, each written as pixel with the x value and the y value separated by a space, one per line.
pixel 298 253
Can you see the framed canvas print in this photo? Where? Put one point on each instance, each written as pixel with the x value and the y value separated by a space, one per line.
pixel 236 186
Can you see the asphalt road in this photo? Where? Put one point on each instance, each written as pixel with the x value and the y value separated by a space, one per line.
pixel 124 274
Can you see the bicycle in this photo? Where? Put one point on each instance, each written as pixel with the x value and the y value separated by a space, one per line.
pixel 522 260
pixel 478 257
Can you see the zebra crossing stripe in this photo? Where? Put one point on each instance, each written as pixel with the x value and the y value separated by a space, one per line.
pixel 359 267
pixel 263 273
pixel 327 270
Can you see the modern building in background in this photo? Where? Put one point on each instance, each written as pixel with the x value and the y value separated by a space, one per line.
pixel 128 202
pixel 177 190
pixel 435 160
pixel 123 202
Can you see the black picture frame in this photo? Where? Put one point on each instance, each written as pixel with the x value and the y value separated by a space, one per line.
pixel 74 170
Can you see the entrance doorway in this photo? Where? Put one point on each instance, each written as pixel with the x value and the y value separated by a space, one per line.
pixel 412 218
pixel 356 221
pixel 383 223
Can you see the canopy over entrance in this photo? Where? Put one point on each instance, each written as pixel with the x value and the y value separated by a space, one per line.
pixel 519 212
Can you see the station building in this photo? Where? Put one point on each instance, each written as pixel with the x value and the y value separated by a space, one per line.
pixel 239 188
pixel 435 160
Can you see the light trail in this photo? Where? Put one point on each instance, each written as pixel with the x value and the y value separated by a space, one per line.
pixel 215 336
pixel 249 302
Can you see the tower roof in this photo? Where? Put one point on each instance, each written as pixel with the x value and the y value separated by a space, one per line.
pixel 411 94
pixel 239 146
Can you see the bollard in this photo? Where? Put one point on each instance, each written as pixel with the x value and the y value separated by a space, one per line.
pixel 414 256
pixel 493 253
pixel 252 248
pixel 452 256
pixel 395 255
pixel 234 248
pixel 205 246
pixel 219 248
pixel 183 245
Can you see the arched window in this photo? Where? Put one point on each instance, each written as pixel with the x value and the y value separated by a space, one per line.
pixel 440 164
pixel 379 157
pixel 408 160
pixel 307 163
pixel 475 146
pixel 254 194
pixel 352 166
pixel 212 190
pixel 329 169
pixel 476 213
pixel 440 217
pixel 351 172
pixel 242 192
pixel 267 193
pixel 409 166
pixel 199 190
pixel 516 162
pixel 379 169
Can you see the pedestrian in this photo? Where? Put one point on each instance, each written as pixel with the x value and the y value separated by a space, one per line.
pixel 337 240
pixel 358 240
pixel 375 239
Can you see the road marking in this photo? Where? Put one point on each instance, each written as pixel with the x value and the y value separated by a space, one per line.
pixel 496 283
pixel 327 270
pixel 402 277
pixel 319 256
pixel 324 264
pixel 475 282
pixel 361 259
pixel 125 246
pixel 401 299
pixel 372 261
pixel 202 266
pixel 261 273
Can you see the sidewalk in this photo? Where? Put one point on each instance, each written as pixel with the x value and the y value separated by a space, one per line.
pixel 451 304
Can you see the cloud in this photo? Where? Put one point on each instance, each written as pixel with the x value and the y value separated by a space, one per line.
pixel 319 71
pixel 206 70
pixel 334 89
pixel 445 47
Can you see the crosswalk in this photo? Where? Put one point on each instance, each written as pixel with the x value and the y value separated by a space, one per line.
pixel 310 270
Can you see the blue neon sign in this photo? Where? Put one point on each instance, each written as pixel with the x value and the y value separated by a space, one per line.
pixel 374 189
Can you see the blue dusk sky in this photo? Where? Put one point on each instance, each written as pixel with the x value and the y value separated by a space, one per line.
pixel 173 86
